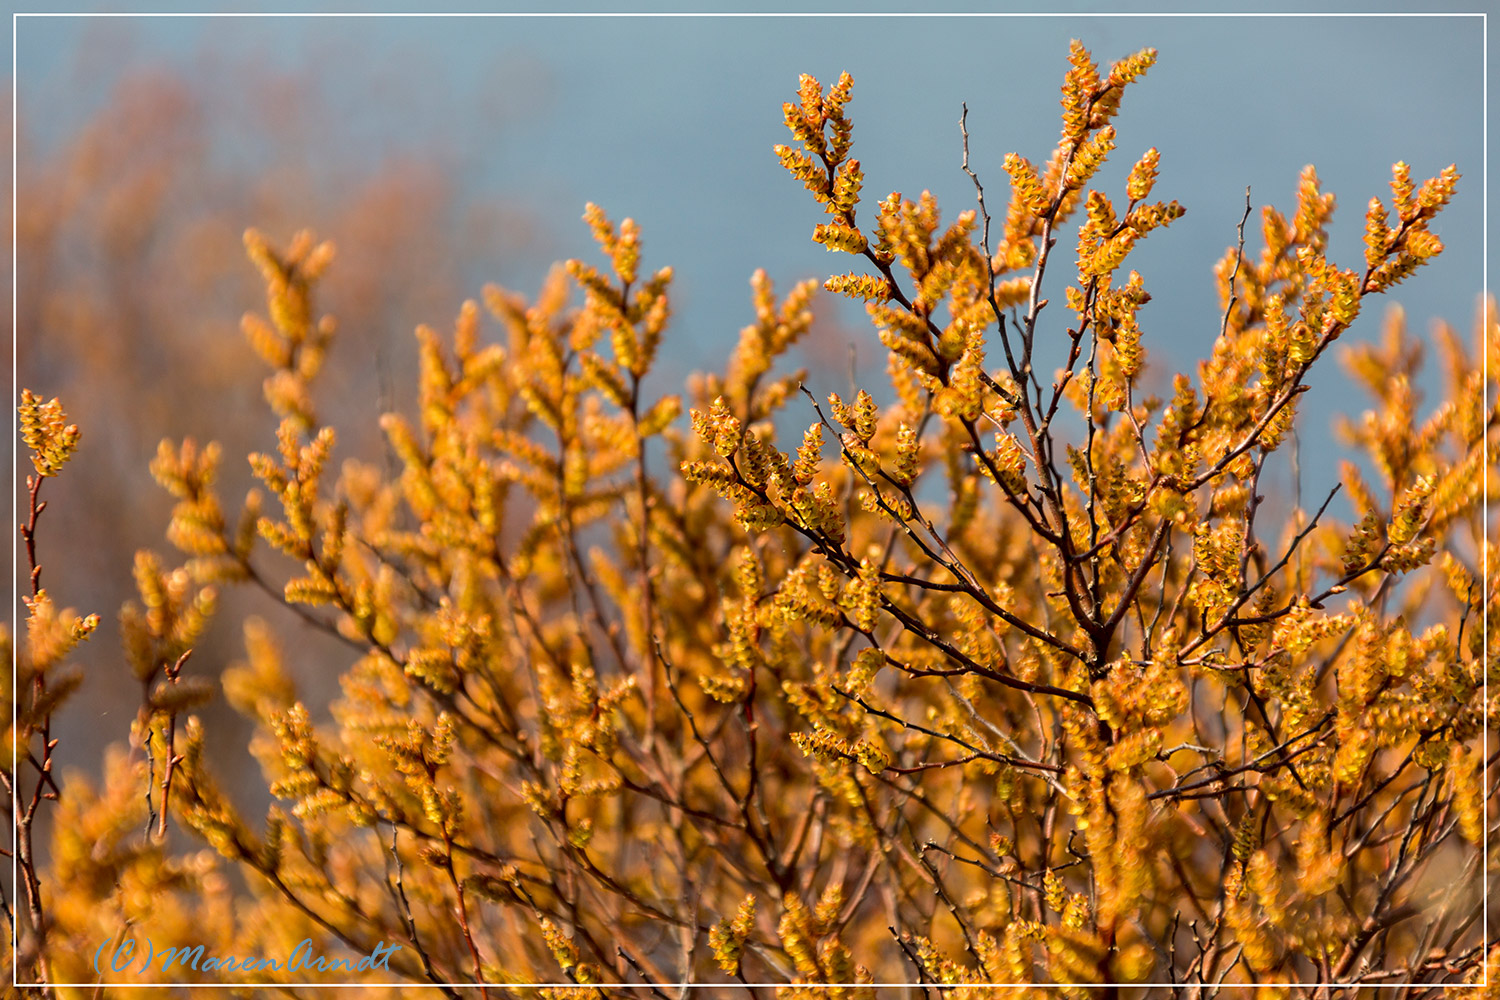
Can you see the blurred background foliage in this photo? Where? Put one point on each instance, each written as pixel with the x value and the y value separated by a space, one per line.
pixel 132 281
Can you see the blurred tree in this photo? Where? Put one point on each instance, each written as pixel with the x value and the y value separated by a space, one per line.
pixel 131 278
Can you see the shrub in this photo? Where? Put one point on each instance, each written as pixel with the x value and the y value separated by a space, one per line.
pixel 1015 678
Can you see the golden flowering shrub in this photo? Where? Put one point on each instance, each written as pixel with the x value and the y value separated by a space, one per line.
pixel 1025 677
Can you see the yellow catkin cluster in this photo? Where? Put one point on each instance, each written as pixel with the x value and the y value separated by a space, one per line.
pixel 1005 677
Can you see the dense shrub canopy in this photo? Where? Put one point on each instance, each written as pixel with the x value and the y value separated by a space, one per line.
pixel 1022 676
